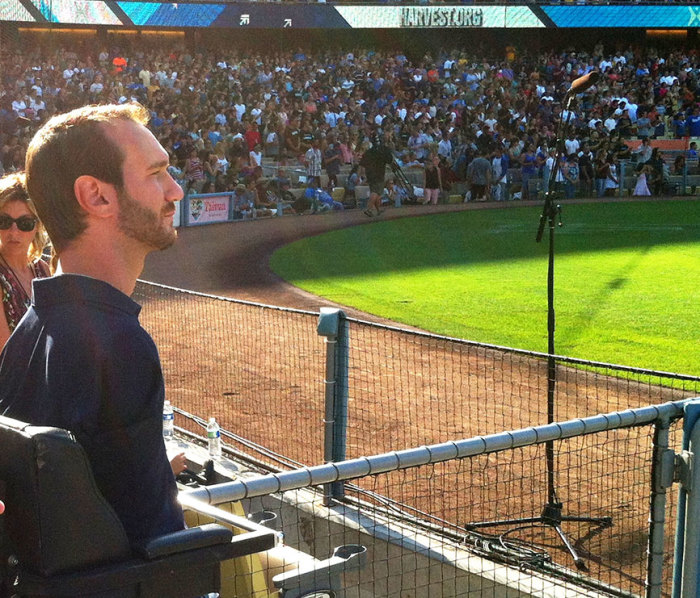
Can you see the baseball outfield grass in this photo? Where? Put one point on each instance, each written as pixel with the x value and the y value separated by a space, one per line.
pixel 627 278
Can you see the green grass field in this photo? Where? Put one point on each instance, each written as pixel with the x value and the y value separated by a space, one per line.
pixel 627 278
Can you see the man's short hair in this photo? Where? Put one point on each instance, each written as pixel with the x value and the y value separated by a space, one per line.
pixel 69 146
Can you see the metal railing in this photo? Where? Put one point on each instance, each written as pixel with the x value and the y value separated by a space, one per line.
pixel 629 557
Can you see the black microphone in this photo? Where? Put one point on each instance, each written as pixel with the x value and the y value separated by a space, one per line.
pixel 583 83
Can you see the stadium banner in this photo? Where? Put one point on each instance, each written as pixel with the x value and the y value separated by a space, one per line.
pixel 283 15
pixel 652 16
pixel 15 11
pixel 208 208
pixel 454 17
pixel 76 12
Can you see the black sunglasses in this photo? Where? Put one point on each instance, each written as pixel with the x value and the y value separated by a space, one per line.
pixel 24 223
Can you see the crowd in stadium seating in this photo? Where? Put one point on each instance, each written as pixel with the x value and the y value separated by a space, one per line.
pixel 224 116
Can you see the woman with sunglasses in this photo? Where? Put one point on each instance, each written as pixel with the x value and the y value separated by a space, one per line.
pixel 22 240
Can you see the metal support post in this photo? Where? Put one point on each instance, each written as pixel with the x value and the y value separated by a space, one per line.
pixel 686 566
pixel 333 326
pixel 661 479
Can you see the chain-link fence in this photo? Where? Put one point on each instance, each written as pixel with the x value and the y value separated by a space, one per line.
pixel 260 371
pixel 464 519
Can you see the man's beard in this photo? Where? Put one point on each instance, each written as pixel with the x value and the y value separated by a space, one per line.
pixel 142 224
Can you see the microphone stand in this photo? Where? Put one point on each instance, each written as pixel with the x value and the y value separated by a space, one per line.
pixel 552 511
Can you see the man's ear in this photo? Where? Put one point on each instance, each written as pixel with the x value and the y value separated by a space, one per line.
pixel 95 196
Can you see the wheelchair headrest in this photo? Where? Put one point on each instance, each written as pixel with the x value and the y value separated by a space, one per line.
pixel 56 518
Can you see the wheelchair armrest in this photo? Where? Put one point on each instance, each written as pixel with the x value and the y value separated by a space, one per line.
pixel 203 536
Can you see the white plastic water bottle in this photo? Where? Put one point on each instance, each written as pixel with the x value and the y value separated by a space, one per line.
pixel 168 421
pixel 214 438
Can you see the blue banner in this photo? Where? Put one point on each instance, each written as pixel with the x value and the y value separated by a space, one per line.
pixel 280 15
pixel 652 16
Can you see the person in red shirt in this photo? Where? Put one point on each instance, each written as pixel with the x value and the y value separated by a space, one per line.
pixel 252 136
pixel 119 63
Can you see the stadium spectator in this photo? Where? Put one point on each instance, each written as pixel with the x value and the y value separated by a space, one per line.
pixel 499 175
pixel 571 143
pixel 313 159
pixel 22 241
pixel 479 178
pixel 692 124
pixel 656 172
pixel 602 172
pixel 678 165
pixel 444 148
pixel 571 178
pixel 255 156
pixel 243 206
pixel 272 140
pixel 641 188
pixel 432 180
pixel 211 171
pixel 79 359
pixel 319 199
pixel 529 164
pixel 419 142
pixel 643 152
pixel 586 173
pixel 612 182
pixel 373 167
pixel 645 130
pixel 331 162
pixel 393 194
pixel 692 153
pixel 610 123
pixel 351 182
pixel 194 171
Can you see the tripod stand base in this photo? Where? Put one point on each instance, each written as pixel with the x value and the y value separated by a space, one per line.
pixel 551 517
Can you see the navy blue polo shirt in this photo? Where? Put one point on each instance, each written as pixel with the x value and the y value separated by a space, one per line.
pixel 80 360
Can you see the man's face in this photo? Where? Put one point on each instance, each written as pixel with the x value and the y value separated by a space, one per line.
pixel 145 225
pixel 147 198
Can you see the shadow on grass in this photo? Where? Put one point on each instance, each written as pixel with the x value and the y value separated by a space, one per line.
pixel 460 238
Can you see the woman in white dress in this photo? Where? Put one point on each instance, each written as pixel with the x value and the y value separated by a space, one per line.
pixel 642 188
pixel 612 183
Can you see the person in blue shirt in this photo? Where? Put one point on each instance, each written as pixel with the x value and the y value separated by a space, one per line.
pixel 79 359
pixel 692 123
pixel 679 125
pixel 528 169
pixel 320 200
pixel 692 153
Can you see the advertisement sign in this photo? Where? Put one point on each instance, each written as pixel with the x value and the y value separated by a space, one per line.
pixel 456 17
pixel 298 15
pixel 205 209
pixel 452 16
